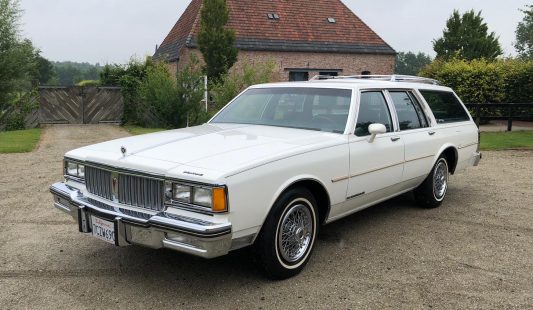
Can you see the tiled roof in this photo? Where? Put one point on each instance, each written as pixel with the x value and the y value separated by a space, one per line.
pixel 302 26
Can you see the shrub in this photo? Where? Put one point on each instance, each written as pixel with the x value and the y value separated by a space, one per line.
pixel 168 102
pixel 13 118
pixel 88 83
pixel 239 79
pixel 483 81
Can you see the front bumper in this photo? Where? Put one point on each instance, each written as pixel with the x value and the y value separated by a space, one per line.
pixel 162 230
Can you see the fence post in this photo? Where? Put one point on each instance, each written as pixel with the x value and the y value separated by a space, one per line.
pixel 510 120
pixel 478 115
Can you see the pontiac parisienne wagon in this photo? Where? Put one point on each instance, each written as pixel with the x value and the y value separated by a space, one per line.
pixel 271 167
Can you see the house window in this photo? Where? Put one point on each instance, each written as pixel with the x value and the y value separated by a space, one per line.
pixel 328 73
pixel 331 20
pixel 295 76
pixel 273 16
pixel 366 73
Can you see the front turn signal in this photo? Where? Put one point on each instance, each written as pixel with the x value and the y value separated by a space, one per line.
pixel 219 200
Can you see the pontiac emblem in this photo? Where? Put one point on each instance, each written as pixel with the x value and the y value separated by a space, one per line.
pixel 123 150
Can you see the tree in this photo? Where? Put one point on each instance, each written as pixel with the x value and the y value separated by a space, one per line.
pixel 215 41
pixel 467 37
pixel 44 70
pixel 524 34
pixel 410 63
pixel 17 56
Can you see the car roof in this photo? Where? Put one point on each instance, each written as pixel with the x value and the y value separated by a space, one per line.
pixel 356 84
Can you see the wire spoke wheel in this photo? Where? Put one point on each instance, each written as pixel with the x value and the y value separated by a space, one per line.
pixel 440 180
pixel 295 233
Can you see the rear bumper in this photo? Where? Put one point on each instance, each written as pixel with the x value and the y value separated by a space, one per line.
pixel 476 158
pixel 162 230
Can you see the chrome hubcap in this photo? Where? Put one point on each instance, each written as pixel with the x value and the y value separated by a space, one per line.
pixel 440 180
pixel 295 233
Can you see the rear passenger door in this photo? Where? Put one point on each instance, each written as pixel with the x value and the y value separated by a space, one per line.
pixel 420 141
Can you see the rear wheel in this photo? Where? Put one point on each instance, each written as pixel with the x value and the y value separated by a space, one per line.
pixel 432 191
pixel 288 235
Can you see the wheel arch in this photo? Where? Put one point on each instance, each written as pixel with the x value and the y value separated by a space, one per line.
pixel 452 156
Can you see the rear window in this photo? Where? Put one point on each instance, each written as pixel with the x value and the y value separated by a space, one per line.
pixel 445 106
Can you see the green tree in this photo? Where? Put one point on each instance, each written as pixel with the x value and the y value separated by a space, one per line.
pixel 466 36
pixel 44 70
pixel 524 34
pixel 17 56
pixel 215 41
pixel 410 63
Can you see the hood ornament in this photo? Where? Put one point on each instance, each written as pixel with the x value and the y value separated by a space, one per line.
pixel 123 150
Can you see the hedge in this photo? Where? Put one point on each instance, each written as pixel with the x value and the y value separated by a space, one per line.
pixel 483 81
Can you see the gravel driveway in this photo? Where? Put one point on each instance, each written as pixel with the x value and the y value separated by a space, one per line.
pixel 476 251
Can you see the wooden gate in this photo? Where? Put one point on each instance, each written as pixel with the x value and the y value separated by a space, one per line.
pixel 80 105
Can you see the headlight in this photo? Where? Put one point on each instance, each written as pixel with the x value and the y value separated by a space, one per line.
pixel 74 169
pixel 203 196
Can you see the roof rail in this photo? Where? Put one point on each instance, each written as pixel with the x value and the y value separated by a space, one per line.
pixel 389 78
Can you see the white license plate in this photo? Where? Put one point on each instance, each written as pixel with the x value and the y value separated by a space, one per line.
pixel 103 230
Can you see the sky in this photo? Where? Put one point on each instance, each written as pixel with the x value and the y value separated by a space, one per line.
pixel 113 31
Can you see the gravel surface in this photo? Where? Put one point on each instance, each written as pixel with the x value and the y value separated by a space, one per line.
pixel 476 251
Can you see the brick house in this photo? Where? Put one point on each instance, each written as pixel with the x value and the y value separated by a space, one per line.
pixel 303 37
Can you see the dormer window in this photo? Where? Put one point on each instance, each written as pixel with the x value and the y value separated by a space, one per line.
pixel 332 20
pixel 273 16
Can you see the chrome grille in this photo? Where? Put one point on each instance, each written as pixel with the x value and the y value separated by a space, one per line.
pixel 98 182
pixel 141 192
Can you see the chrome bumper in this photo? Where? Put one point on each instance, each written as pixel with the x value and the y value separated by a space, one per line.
pixel 476 158
pixel 162 230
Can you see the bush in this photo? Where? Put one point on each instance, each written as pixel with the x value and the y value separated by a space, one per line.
pixel 483 81
pixel 172 103
pixel 239 79
pixel 88 83
pixel 13 118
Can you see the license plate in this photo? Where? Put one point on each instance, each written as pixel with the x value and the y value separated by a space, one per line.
pixel 103 230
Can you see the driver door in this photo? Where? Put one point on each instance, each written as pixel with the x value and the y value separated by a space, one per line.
pixel 374 166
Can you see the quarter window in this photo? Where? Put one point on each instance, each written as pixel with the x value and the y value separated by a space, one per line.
pixel 410 114
pixel 445 106
pixel 372 109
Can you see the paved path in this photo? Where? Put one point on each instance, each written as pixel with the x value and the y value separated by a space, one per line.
pixel 476 251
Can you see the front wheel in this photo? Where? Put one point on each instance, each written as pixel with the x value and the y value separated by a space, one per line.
pixel 432 191
pixel 288 235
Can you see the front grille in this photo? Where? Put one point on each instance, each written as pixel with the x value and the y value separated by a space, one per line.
pixel 141 192
pixel 98 182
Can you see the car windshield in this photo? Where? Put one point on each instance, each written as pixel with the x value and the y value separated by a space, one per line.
pixel 321 109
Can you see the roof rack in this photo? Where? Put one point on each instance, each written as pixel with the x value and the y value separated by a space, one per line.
pixel 389 78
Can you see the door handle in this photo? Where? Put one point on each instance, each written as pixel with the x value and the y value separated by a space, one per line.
pixel 394 139
pixel 431 133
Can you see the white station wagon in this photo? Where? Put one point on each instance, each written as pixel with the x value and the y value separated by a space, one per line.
pixel 271 167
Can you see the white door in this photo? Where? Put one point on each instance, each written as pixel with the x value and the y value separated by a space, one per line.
pixel 421 142
pixel 377 165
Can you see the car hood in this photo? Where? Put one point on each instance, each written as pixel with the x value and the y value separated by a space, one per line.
pixel 205 149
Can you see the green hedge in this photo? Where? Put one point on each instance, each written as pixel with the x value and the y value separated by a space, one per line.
pixel 483 81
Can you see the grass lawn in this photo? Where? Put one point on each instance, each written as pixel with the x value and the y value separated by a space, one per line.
pixel 136 130
pixel 506 140
pixel 19 141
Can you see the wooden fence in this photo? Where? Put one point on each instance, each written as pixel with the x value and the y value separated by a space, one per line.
pixel 80 105
pixel 501 111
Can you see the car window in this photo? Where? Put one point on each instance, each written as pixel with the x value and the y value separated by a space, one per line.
pixel 445 106
pixel 323 109
pixel 410 115
pixel 372 109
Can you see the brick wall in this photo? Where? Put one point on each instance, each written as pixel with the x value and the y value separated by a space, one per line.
pixel 347 64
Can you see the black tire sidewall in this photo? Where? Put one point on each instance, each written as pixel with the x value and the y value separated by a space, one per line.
pixel 266 246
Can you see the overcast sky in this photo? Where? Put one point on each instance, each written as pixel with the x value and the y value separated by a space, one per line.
pixel 111 31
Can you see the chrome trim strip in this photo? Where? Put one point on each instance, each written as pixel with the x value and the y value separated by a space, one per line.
pixel 182 247
pixel 467 145
pixel 419 158
pixel 335 180
pixel 377 169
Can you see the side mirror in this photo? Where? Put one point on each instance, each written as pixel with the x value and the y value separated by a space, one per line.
pixel 376 129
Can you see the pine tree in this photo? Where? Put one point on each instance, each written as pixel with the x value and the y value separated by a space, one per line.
pixel 215 41
pixel 466 36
